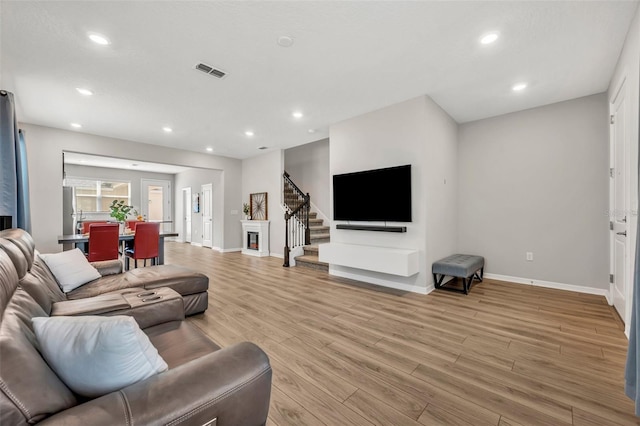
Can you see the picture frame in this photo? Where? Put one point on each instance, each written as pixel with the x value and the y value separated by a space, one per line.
pixel 259 206
pixel 196 202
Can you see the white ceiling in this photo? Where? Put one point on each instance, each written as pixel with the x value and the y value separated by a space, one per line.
pixel 348 58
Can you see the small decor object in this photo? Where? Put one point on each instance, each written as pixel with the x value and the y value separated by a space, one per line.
pixel 120 211
pixel 196 203
pixel 245 209
pixel 258 206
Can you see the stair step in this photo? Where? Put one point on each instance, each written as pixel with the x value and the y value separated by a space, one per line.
pixel 311 249
pixel 312 262
pixel 316 222
pixel 319 230
pixel 320 238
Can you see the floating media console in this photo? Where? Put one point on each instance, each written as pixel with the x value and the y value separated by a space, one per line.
pixel 373 228
pixel 388 260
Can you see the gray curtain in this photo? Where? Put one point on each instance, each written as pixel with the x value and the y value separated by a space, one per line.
pixel 631 377
pixel 14 178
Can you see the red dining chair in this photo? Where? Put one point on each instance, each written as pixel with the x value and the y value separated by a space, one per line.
pixel 131 224
pixel 87 223
pixel 145 244
pixel 103 241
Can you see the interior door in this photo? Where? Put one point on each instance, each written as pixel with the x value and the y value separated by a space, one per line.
pixel 619 203
pixel 186 215
pixel 207 218
pixel 156 202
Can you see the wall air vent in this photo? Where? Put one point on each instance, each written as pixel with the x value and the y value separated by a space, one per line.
pixel 210 70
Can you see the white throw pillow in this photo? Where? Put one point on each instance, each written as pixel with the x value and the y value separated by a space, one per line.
pixel 71 268
pixel 96 355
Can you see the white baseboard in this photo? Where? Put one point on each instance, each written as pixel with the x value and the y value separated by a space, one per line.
pixel 281 256
pixel 196 244
pixel 551 284
pixel 229 250
pixel 381 282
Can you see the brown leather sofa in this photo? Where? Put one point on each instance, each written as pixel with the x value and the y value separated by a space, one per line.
pixel 205 385
pixel 191 285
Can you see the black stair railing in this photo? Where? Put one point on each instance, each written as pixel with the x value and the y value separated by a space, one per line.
pixel 296 217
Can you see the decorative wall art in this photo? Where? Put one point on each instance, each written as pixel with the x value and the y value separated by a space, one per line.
pixel 258 203
pixel 196 202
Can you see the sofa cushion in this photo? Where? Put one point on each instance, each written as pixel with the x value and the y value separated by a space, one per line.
pixel 179 342
pixel 26 396
pixel 71 269
pixel 23 241
pixel 96 355
pixel 182 280
pixel 16 256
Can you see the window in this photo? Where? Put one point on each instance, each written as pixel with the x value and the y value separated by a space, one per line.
pixel 92 195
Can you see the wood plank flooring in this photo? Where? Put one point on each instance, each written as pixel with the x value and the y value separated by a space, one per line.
pixel 345 353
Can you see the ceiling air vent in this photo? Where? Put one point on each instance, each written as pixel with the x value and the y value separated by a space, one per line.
pixel 211 70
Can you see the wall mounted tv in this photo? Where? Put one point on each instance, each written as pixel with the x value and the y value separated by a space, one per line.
pixel 373 195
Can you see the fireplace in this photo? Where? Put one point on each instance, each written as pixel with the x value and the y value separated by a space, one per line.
pixel 255 237
pixel 253 240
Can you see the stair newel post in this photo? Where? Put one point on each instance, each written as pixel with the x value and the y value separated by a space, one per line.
pixel 286 240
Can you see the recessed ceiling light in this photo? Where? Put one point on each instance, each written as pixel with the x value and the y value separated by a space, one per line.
pixel 489 38
pixel 85 92
pixel 297 114
pixel 263 147
pixel 209 149
pixel 285 41
pixel 249 133
pixel 312 130
pixel 76 125
pixel 99 39
pixel 518 87
pixel 167 129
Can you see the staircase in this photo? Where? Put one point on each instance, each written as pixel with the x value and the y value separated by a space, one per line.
pixel 302 227
pixel 319 234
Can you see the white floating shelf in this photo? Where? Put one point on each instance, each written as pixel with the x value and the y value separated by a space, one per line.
pixel 394 261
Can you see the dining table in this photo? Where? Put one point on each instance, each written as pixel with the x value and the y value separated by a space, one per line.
pixel 81 241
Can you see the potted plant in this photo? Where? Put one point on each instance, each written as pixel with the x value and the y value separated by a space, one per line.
pixel 120 211
pixel 245 209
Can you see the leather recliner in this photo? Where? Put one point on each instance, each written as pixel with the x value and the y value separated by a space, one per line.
pixel 204 384
pixel 191 285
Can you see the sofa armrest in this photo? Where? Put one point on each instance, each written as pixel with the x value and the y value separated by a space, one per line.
pixel 232 385
pixel 108 267
pixel 147 307
pixel 90 306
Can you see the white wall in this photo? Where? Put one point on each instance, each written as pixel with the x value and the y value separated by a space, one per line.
pixel 537 181
pixel 194 179
pixel 628 69
pixel 416 132
pixel 308 166
pixel 44 152
pixel 264 174
pixel 132 176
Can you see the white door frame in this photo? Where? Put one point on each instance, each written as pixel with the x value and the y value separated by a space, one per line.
pixel 207 219
pixel 186 214
pixel 166 199
pixel 621 90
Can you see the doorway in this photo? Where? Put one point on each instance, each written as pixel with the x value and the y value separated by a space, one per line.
pixel 186 215
pixel 619 204
pixel 155 198
pixel 207 217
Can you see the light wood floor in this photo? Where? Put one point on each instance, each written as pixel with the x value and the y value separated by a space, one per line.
pixel 344 354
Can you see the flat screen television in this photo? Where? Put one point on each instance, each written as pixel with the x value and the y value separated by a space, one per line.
pixel 373 195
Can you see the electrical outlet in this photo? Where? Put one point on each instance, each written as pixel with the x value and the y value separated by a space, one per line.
pixel 529 256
